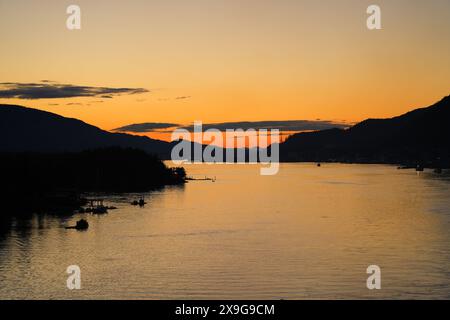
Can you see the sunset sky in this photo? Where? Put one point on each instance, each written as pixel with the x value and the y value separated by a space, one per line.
pixel 228 60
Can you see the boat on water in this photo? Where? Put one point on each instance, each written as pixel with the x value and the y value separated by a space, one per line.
pixel 100 210
pixel 141 202
pixel 96 206
pixel 81 225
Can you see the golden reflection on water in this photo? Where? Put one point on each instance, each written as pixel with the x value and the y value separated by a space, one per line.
pixel 307 232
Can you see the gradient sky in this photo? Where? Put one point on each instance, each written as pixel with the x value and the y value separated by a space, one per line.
pixel 230 60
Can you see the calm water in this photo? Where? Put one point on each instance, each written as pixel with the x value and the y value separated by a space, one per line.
pixel 305 233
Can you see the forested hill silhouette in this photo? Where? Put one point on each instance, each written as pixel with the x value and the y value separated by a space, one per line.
pixel 29 130
pixel 420 136
pixel 35 182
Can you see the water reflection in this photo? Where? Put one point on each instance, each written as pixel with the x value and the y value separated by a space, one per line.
pixel 307 232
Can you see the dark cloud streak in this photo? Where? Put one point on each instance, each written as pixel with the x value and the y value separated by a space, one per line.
pixel 288 125
pixel 51 90
pixel 283 126
pixel 146 127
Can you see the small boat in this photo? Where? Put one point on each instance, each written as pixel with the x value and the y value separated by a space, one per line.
pixel 100 210
pixel 141 202
pixel 81 225
pixel 319 165
pixel 96 207
pixel 419 168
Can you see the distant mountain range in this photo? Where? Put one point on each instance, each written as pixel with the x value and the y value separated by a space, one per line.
pixel 31 130
pixel 420 136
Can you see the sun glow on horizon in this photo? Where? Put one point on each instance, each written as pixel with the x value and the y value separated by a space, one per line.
pixel 233 60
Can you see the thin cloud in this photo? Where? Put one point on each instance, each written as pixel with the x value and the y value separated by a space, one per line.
pixel 288 125
pixel 146 127
pixel 182 97
pixel 52 90
pixel 283 126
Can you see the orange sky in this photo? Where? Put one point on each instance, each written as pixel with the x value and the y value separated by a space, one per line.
pixel 231 60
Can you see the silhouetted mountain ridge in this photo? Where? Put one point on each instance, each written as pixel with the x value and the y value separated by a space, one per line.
pixel 418 136
pixel 421 135
pixel 25 129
